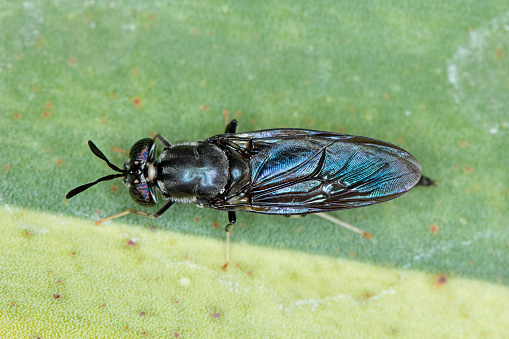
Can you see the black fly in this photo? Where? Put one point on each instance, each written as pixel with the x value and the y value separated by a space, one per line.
pixel 276 171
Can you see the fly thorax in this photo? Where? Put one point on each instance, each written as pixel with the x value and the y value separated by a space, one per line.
pixel 192 171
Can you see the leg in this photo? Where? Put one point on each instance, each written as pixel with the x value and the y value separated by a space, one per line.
pixel 163 140
pixel 231 127
pixel 425 181
pixel 344 224
pixel 140 213
pixel 232 218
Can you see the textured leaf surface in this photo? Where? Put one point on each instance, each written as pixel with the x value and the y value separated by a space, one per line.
pixel 431 78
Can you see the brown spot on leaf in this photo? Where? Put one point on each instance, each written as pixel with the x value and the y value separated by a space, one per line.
pixel 226 115
pixel 137 102
pixel 119 150
pixel 434 228
pixel 498 53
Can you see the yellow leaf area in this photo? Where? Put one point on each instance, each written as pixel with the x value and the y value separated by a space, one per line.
pixel 64 277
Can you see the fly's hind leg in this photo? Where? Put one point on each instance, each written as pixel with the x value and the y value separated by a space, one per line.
pixel 231 127
pixel 232 218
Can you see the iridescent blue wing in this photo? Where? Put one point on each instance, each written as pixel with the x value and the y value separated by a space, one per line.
pixel 295 171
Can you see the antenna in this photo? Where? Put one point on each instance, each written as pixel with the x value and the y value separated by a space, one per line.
pixel 99 154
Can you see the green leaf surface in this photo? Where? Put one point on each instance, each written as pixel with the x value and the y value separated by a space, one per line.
pixel 431 77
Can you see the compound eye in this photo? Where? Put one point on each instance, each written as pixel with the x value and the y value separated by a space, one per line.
pixel 143 150
pixel 143 195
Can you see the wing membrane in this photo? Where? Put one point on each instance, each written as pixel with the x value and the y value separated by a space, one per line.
pixel 296 171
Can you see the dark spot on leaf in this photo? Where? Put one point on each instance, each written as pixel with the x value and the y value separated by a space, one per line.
pixel 440 281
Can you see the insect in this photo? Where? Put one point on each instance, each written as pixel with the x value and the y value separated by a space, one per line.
pixel 275 171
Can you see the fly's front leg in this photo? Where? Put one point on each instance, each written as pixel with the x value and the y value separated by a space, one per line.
pixel 232 218
pixel 231 127
pixel 163 140
pixel 140 213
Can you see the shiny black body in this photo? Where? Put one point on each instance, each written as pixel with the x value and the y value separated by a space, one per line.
pixel 196 172
pixel 277 171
